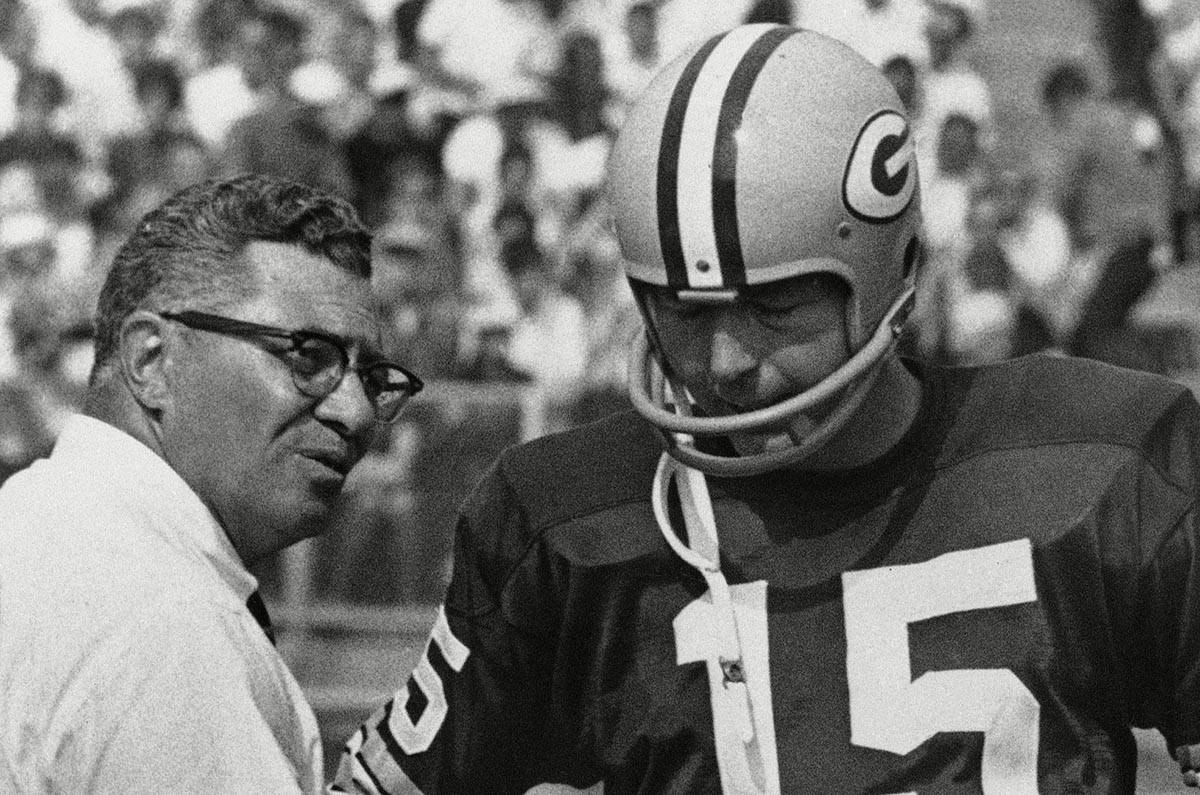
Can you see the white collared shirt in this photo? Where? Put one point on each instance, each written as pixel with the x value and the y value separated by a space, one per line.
pixel 128 660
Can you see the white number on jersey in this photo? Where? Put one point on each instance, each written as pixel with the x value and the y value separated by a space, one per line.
pixel 889 710
pixel 415 738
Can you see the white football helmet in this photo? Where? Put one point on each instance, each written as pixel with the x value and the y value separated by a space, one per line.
pixel 764 153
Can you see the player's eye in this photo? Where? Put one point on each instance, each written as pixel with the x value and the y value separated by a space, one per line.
pixel 776 306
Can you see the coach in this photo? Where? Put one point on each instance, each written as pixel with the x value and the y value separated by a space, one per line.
pixel 237 378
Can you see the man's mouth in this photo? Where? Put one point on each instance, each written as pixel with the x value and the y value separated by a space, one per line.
pixel 339 462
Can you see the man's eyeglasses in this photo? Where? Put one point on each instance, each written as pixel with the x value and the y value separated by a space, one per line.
pixel 318 361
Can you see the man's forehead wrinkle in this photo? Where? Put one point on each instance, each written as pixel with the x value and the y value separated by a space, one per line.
pixel 305 291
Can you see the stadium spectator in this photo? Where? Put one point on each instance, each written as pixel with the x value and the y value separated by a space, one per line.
pixel 164 157
pixel 18 39
pixel 45 340
pixel 23 436
pixel 548 340
pixel 66 185
pixel 474 161
pixel 406 20
pixel 950 84
pixel 27 269
pixel 1021 250
pixel 1167 63
pixel 633 53
pixel 220 93
pixel 594 276
pixel 461 53
pixel 1112 195
pixel 902 73
pixel 683 23
pixel 775 12
pixel 418 265
pixel 579 103
pixel 74 42
pixel 135 30
pixel 579 96
pixel 39 128
pixel 374 152
pixel 352 57
pixel 876 29
pixel 426 111
pixel 1130 42
pixel 951 185
pixel 290 134
pixel 951 325
pixel 52 340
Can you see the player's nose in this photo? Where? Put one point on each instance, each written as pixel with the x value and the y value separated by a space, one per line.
pixel 730 361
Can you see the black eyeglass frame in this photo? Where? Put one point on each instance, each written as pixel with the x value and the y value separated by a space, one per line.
pixel 245 329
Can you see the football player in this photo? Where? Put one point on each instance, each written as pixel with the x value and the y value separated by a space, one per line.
pixel 806 564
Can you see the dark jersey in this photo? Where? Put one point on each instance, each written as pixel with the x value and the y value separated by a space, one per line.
pixel 990 606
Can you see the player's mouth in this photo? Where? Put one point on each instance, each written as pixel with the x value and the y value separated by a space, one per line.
pixel 730 404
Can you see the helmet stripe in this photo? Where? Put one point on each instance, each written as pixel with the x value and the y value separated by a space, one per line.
pixel 724 156
pixel 695 198
pixel 668 167
pixel 696 188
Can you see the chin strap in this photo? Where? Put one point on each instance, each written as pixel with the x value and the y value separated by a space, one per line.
pixel 703 554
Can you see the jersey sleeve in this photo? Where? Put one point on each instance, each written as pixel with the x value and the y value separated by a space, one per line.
pixel 479 709
pixel 1164 655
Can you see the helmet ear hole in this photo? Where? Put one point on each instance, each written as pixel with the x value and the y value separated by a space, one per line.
pixel 912 256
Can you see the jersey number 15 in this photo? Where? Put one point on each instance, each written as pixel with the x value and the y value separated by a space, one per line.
pixel 889 710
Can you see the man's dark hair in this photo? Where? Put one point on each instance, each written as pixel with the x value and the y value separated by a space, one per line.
pixel 10 15
pixel 964 26
pixel 217 23
pixel 406 16
pixel 46 81
pixel 283 26
pixel 644 7
pixel 901 72
pixel 185 253
pixel 140 17
pixel 158 74
pixel 1063 82
pixel 778 12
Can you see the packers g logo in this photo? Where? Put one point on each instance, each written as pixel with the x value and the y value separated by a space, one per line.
pixel 881 175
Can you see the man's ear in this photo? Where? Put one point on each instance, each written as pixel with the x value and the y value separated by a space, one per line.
pixel 144 357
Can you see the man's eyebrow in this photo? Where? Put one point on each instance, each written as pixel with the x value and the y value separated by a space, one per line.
pixel 370 353
pixel 368 350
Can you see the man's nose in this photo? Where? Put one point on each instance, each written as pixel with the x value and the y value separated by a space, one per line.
pixel 348 406
pixel 730 360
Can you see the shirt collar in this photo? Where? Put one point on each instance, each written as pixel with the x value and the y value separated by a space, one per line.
pixel 147 481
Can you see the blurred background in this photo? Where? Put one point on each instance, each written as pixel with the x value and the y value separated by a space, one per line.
pixel 1059 148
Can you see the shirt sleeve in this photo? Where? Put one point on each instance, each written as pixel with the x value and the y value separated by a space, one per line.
pixel 481 705
pixel 183 706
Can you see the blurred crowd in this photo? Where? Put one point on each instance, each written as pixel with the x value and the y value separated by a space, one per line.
pixel 472 135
